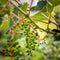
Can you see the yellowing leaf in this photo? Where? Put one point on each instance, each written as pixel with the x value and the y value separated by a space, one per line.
pixel 4 25
pixel 56 8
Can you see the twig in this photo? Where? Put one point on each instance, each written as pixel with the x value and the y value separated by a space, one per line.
pixel 20 19
pixel 57 22
pixel 18 8
pixel 18 2
pixel 13 21
pixel 48 18
pixel 29 8
pixel 48 22
pixel 12 38
pixel 10 49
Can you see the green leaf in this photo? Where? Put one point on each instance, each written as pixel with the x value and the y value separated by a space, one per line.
pixel 38 16
pixel 4 25
pixel 54 2
pixel 44 6
pixel 40 5
pixel 24 8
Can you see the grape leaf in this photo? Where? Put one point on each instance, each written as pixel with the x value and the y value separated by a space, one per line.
pixel 44 6
pixel 40 5
pixel 56 8
pixel 24 8
pixel 54 2
pixel 4 25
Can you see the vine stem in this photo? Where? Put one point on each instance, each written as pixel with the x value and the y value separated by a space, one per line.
pixel 48 21
pixel 58 23
pixel 29 8
pixel 29 17
pixel 18 7
pixel 12 38
pixel 10 49
pixel 19 18
pixel 18 2
pixel 48 18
